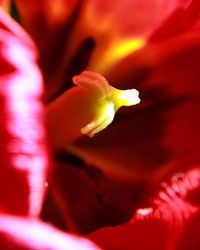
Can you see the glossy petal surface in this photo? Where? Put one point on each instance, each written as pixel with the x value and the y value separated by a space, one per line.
pixel 33 235
pixel 165 225
pixel 23 139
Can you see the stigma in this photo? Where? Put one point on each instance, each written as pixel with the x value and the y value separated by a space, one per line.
pixel 107 100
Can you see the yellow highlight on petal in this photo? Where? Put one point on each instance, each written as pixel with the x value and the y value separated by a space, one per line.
pixel 118 51
pixel 126 47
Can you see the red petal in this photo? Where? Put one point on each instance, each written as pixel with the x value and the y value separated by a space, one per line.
pixel 70 38
pixel 130 17
pixel 167 225
pixel 184 18
pixel 114 22
pixel 49 23
pixel 88 199
pixel 151 234
pixel 23 151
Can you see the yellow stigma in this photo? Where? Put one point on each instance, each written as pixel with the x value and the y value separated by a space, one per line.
pixel 107 99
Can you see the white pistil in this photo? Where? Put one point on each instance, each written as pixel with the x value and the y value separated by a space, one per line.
pixel 108 100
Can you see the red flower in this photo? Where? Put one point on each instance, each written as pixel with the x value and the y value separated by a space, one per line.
pixel 145 165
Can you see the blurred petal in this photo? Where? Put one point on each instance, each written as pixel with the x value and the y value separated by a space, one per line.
pixel 164 225
pixel 184 18
pixel 87 199
pixel 50 23
pixel 51 13
pixel 73 35
pixel 119 12
pixel 120 26
pixel 5 5
pixel 22 136
pixel 144 62
pixel 150 234
pixel 22 233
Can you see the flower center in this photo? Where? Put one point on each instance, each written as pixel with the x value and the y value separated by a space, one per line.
pixel 87 108
pixel 108 100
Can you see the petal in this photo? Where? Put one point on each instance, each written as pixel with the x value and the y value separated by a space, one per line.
pixel 49 12
pixel 90 34
pixel 165 225
pixel 5 5
pixel 23 139
pixel 119 12
pixel 49 24
pixel 137 67
pixel 151 234
pixel 84 199
pixel 185 19
pixel 32 234
pixel 119 27
pixel 190 239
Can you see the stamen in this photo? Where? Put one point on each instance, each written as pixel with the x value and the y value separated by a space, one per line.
pixel 108 100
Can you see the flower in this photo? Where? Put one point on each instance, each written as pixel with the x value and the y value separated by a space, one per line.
pixel 143 169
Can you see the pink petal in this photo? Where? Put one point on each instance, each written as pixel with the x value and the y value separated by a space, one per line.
pixel 23 138
pixel 22 233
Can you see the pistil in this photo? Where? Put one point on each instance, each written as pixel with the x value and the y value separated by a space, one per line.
pixel 87 108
